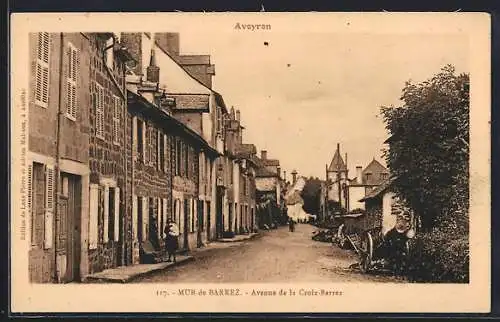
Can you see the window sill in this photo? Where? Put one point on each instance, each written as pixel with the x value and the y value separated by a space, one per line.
pixel 100 137
pixel 70 117
pixel 41 104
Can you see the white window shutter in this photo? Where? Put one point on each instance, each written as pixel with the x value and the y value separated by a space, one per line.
pixel 106 214
pixel 145 218
pixel 42 69
pixel 159 217
pixel 134 137
pixel 49 205
pixel 71 83
pixel 165 151
pixel 144 146
pixel 117 214
pixel 93 216
pixel 135 224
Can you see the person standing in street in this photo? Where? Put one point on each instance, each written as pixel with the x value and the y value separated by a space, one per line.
pixel 171 243
pixel 291 225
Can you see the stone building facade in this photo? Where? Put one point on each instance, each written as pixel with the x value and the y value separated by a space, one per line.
pixel 76 145
pixel 107 153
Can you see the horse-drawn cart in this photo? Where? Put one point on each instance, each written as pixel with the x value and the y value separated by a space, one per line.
pixel 379 236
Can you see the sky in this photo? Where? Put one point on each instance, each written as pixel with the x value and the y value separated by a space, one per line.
pixel 303 93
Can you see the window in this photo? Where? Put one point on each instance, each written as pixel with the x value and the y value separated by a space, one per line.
pixel 368 176
pixel 178 157
pixel 117 114
pixel 220 118
pixel 161 151
pixel 99 111
pixel 154 147
pixel 72 81
pixel 202 168
pixel 42 70
pixel 166 150
pixel 147 147
pixel 384 176
pixel 140 139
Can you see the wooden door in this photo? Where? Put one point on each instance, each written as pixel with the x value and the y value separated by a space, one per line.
pixel 219 221
pixel 68 228
pixel 199 227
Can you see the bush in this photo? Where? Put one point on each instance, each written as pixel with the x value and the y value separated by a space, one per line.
pixel 440 256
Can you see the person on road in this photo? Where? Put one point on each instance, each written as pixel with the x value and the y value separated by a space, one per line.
pixel 291 225
pixel 171 242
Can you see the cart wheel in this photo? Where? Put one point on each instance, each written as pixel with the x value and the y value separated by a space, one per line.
pixel 341 238
pixel 367 252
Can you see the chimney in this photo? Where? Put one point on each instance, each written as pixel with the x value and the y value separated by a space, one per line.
pixel 238 115
pixel 359 174
pixel 338 147
pixel 284 176
pixel 169 42
pixel 153 71
pixel 263 155
pixel 232 113
pixel 279 172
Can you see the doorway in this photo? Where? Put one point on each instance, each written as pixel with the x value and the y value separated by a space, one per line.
pixel 209 235
pixel 68 228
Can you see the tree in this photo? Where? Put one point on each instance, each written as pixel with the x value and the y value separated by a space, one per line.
pixel 428 149
pixel 311 195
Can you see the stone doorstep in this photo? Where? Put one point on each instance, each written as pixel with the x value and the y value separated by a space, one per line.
pixel 238 238
pixel 124 274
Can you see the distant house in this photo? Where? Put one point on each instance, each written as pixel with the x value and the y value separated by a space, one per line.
pixel 268 189
pixel 387 209
pixel 366 181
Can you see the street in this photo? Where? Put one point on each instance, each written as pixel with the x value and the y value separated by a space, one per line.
pixel 277 256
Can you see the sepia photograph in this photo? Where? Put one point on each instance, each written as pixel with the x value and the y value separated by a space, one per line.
pixel 294 159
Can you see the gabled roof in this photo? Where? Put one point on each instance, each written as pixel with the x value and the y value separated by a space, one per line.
pixel 173 77
pixel 337 163
pixel 378 191
pixel 271 162
pixel 375 168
